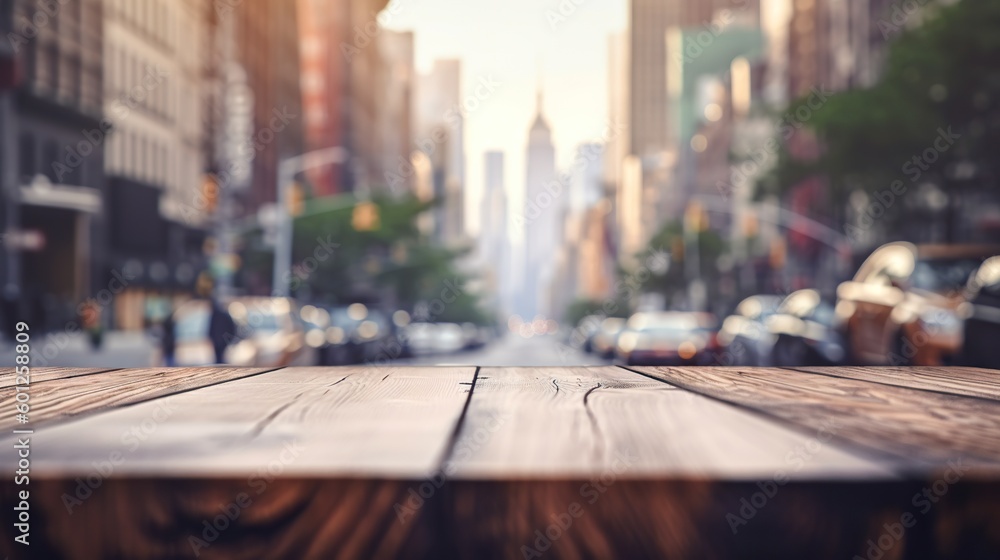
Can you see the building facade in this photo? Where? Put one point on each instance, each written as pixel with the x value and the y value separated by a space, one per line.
pixel 343 87
pixel 494 242
pixel 543 218
pixel 155 67
pixel 52 143
pixel 441 137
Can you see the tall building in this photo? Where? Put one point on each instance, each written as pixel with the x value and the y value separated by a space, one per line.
pixel 494 243
pixel 543 199
pixel 155 65
pixel 649 21
pixel 653 129
pixel 52 144
pixel 266 36
pixel 359 88
pixel 395 115
pixel 441 137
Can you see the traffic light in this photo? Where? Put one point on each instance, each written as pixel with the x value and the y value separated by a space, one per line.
pixel 365 217
pixel 296 199
pixel 210 193
pixel 750 226
pixel 778 254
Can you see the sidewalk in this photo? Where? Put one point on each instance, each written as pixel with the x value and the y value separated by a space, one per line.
pixel 119 349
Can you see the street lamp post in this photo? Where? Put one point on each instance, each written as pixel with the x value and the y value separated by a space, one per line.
pixel 287 169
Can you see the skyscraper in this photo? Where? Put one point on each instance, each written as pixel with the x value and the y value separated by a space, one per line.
pixel 441 136
pixel 494 246
pixel 543 198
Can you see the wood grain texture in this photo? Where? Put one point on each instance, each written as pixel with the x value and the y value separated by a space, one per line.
pixel 693 519
pixel 560 422
pixel 924 430
pixel 350 421
pixel 964 381
pixel 39 374
pixel 247 518
pixel 72 394
pixel 364 462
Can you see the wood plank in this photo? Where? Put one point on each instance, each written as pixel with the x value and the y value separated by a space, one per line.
pixel 559 422
pixel 924 429
pixel 965 381
pixel 70 394
pixel 611 517
pixel 158 518
pixel 39 374
pixel 334 421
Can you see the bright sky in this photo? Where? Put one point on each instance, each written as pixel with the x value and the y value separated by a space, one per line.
pixel 513 41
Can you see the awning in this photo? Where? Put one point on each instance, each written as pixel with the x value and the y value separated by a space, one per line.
pixel 68 197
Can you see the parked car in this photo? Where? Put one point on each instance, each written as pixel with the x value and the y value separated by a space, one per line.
pixel 901 306
pixel 982 317
pixel 744 336
pixel 604 340
pixel 805 332
pixel 269 333
pixel 586 329
pixel 668 338
pixel 435 338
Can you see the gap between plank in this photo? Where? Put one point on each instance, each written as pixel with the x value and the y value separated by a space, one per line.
pixel 109 370
pixel 457 432
pixel 891 461
pixel 897 386
pixel 73 417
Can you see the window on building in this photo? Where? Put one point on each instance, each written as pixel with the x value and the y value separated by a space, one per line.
pixel 50 155
pixel 28 164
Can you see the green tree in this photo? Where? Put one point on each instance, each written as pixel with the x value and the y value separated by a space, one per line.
pixel 941 80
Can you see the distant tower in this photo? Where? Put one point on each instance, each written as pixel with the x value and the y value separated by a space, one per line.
pixel 494 246
pixel 543 197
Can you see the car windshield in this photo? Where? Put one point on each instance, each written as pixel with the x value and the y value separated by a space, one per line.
pixel 942 275
pixel 261 321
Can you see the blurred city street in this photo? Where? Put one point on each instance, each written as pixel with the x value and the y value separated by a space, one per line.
pixel 334 182
pixel 137 349
pixel 514 350
pixel 120 350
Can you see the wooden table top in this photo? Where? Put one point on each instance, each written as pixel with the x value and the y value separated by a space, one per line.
pixel 434 462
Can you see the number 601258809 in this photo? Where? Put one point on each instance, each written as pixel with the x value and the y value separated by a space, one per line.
pixel 22 349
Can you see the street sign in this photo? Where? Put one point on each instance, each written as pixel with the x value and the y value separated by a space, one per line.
pixel 25 240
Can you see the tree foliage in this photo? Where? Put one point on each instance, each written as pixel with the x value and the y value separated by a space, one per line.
pixel 941 77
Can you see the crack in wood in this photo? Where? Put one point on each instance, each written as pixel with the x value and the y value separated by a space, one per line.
pixel 256 431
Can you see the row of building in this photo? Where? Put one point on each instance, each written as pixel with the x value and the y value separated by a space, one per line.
pixel 698 91
pixel 126 124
